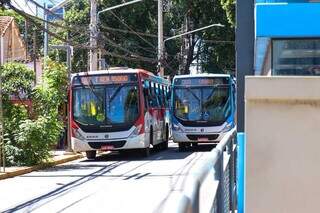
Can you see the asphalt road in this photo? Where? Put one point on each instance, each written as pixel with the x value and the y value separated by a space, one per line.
pixel 111 183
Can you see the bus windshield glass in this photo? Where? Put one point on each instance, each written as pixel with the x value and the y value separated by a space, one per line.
pixel 106 104
pixel 202 103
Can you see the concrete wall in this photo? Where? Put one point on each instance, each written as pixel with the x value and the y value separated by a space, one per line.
pixel 283 144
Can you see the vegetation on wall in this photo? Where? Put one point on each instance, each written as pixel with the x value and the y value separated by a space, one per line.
pixel 31 132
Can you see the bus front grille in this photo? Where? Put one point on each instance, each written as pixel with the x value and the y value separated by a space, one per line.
pixel 197 137
pixel 115 144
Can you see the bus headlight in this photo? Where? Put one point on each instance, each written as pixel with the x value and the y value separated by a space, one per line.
pixel 227 128
pixel 136 131
pixel 176 128
pixel 78 135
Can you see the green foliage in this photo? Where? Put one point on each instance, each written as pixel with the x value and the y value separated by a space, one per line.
pixel 230 6
pixel 30 136
pixel 48 96
pixel 16 79
pixel 13 116
pixel 33 140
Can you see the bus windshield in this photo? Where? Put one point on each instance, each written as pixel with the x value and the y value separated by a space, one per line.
pixel 106 105
pixel 202 104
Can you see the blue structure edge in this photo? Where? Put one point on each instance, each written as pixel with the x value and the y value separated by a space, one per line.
pixel 241 168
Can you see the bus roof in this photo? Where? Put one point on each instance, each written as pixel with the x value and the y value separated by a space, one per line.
pixel 201 75
pixel 112 71
pixel 120 70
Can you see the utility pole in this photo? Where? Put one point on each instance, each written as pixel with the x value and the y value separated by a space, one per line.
pixel 93 36
pixel 35 54
pixel 160 39
pixel 45 42
pixel 26 36
pixel 2 145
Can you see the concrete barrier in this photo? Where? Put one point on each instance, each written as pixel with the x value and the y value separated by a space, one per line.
pixel 282 144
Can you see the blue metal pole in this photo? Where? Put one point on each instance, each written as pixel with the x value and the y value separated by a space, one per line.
pixel 241 173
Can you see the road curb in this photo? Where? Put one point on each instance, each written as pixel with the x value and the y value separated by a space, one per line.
pixel 26 170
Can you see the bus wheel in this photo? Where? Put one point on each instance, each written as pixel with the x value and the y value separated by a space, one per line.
pixel 182 147
pixel 166 140
pixel 146 151
pixel 151 136
pixel 194 144
pixel 91 154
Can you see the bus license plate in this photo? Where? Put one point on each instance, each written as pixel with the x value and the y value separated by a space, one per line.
pixel 107 147
pixel 202 139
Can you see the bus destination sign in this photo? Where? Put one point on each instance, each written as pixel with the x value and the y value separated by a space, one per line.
pixel 104 79
pixel 201 81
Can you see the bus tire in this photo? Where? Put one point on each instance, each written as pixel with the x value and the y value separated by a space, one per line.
pixel 91 155
pixel 151 135
pixel 182 147
pixel 146 151
pixel 166 140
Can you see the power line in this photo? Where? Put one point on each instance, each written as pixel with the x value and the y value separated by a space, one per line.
pixel 129 58
pixel 219 41
pixel 125 24
pixel 126 50
pixel 31 19
pixel 129 32
pixel 148 50
pixel 46 10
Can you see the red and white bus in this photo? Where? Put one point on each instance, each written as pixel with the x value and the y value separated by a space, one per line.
pixel 118 109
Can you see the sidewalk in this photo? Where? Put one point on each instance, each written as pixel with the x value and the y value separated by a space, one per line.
pixel 58 157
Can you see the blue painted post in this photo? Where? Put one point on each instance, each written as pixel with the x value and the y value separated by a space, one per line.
pixel 241 168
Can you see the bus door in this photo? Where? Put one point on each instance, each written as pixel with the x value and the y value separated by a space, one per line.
pixel 161 111
pixel 155 111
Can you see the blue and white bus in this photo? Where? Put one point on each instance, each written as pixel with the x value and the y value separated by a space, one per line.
pixel 203 108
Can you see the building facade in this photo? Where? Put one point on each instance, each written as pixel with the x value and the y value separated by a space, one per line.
pixel 287 37
pixel 12 47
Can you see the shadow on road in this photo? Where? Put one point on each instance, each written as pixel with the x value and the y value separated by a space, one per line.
pixel 172 153
pixel 46 198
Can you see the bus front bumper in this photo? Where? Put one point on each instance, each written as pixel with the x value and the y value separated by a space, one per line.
pixel 182 137
pixel 137 142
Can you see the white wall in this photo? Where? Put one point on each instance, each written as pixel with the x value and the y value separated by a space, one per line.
pixel 283 144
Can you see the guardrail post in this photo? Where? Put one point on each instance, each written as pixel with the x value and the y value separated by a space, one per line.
pixel 219 176
pixel 193 192
pixel 232 175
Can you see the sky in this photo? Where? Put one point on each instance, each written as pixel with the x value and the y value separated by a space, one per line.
pixel 30 8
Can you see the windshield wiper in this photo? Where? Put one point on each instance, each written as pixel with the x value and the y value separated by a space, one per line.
pixel 193 94
pixel 91 89
pixel 116 92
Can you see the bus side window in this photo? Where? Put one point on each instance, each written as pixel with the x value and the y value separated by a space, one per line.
pixel 146 94
pixel 164 100
pixel 152 102
pixel 159 96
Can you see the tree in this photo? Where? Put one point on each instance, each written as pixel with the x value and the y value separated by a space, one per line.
pixel 17 80
pixel 128 35
pixel 30 133
pixel 229 6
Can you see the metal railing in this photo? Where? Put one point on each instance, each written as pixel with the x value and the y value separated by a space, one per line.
pixel 211 184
